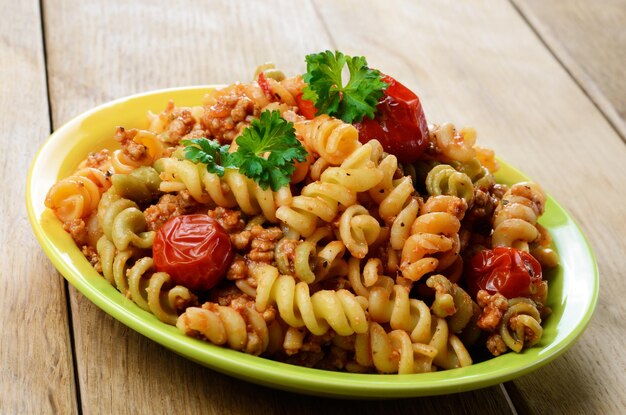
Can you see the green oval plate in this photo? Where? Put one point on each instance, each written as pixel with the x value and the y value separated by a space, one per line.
pixel 573 286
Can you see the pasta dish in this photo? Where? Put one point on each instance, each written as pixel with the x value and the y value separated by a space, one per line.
pixel 317 220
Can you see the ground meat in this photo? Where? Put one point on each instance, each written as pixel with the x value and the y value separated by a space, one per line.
pixel 195 133
pixel 78 230
pixel 92 256
pixel 498 190
pixel 181 304
pixel 333 284
pixel 98 160
pixel 244 301
pixel 482 209
pixel 230 220
pixel 263 243
pixel 312 353
pixel 336 359
pixel 182 122
pixel 496 345
pixel 134 150
pixel 313 343
pixel 493 307
pixel 167 207
pixel 306 359
pixel 241 240
pixel 231 112
pixel 238 269
pixel 225 295
pixel 285 253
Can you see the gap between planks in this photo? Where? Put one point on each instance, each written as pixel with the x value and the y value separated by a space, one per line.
pixel 68 303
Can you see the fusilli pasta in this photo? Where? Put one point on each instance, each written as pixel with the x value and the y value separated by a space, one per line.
pixel 359 262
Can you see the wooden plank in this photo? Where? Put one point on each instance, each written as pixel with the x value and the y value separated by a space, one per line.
pixel 124 48
pixel 589 39
pixel 36 371
pixel 480 64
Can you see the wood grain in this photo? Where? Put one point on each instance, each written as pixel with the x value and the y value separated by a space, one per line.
pixel 589 39
pixel 36 375
pixel 472 63
pixel 480 64
pixel 98 52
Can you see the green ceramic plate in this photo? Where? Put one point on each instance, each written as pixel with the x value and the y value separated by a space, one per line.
pixel 573 287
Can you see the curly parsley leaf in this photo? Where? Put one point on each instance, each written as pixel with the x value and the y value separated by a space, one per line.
pixel 350 102
pixel 267 150
pixel 209 152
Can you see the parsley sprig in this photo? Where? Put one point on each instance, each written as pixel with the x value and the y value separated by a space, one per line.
pixel 267 151
pixel 209 152
pixel 350 102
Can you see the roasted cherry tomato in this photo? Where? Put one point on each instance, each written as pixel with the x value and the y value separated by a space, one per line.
pixel 307 108
pixel 503 270
pixel 400 124
pixel 194 249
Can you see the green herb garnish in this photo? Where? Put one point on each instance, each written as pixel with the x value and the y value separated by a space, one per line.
pixel 209 152
pixel 267 151
pixel 350 102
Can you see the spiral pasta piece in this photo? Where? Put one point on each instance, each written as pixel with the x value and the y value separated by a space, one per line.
pixel 446 180
pixel 233 189
pixel 340 310
pixel 487 158
pixel 392 352
pixel 433 245
pixel 282 90
pixel 515 217
pixel 269 70
pixel 141 185
pixel 150 290
pixel 542 251
pixel 359 171
pixel 320 200
pixel 391 304
pixel 479 175
pixel 124 162
pixel 331 138
pixel 78 195
pixel 123 223
pixel 358 230
pixel 311 262
pixel 362 282
pixel 245 330
pixel 417 340
pixel 520 326
pixel 317 200
pixel 398 206
pixel 451 302
pixel 453 144
pixel 445 203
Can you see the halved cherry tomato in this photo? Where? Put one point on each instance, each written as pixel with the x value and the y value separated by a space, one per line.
pixel 400 124
pixel 307 108
pixel 194 250
pixel 503 270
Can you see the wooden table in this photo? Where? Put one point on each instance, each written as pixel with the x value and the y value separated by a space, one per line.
pixel 542 81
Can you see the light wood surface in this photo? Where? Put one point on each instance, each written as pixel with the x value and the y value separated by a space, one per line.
pixel 36 368
pixel 589 39
pixel 473 63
